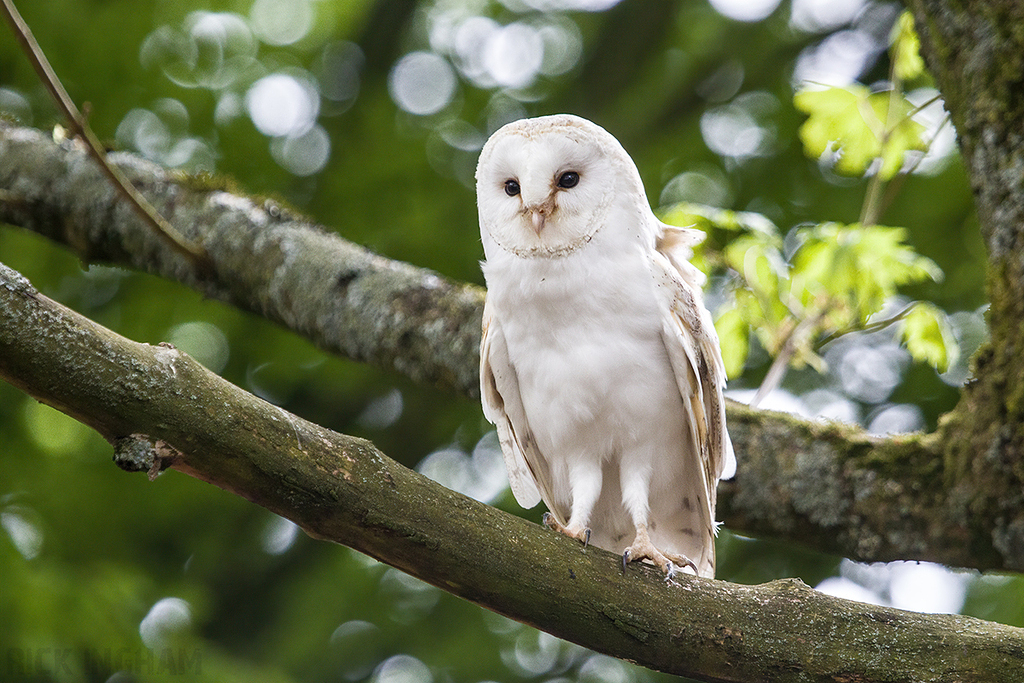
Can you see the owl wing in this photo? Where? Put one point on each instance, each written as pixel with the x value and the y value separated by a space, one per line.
pixel 694 353
pixel 503 406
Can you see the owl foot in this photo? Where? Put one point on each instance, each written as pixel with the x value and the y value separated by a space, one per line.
pixel 643 549
pixel 582 535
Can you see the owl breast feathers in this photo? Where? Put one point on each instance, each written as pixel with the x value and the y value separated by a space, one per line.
pixel 600 366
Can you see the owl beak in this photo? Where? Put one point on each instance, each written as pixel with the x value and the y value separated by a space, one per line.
pixel 538 216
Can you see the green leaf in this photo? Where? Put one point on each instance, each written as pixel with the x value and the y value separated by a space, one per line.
pixel 928 336
pixel 707 255
pixel 862 126
pixel 837 278
pixel 853 269
pixel 903 133
pixel 734 337
pixel 686 214
pixel 835 121
pixel 759 263
pixel 906 49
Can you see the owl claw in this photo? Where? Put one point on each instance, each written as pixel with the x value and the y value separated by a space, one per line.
pixel 643 549
pixel 582 535
pixel 670 574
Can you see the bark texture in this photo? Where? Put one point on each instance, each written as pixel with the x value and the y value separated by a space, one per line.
pixel 976 52
pixel 153 404
pixel 830 487
pixel 267 260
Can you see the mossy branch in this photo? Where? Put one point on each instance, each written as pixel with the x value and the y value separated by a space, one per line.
pixel 266 259
pixel 154 405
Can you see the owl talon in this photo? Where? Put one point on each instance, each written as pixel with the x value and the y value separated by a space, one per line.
pixel 582 535
pixel 643 549
pixel 670 575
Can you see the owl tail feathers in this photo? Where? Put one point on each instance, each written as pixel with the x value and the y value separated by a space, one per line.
pixel 704 559
pixel 706 564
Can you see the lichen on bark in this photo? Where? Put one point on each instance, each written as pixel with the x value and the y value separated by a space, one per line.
pixel 977 55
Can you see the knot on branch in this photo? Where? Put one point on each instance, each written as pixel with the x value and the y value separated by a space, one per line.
pixel 140 453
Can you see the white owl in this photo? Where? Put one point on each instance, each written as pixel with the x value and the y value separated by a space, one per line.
pixel 600 366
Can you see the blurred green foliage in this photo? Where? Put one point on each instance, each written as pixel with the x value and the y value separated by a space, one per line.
pixel 102 571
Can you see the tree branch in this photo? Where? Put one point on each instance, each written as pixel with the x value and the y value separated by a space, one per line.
pixel 81 128
pixel 827 486
pixel 153 404
pixel 267 260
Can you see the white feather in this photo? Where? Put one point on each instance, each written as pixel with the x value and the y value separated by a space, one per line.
pixel 600 367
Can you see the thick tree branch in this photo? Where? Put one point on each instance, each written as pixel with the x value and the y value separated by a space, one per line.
pixel 830 487
pixel 267 261
pixel 155 402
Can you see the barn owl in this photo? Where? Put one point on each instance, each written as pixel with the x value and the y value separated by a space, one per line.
pixel 600 366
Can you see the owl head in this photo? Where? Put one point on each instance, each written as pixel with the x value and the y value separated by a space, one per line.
pixel 546 186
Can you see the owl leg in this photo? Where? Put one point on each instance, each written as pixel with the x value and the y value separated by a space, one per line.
pixel 580 535
pixel 635 479
pixel 643 549
pixel 585 484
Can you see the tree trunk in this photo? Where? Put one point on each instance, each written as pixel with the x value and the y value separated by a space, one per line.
pixel 976 52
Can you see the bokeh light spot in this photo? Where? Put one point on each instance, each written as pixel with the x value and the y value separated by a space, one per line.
pixel 356 645
pixel 513 55
pixel 281 22
pixel 840 59
pixel 305 154
pixel 164 618
pixel 745 10
pixel 383 412
pixel 13 103
pixel 52 430
pixel 279 535
pixel 280 104
pixel 204 341
pixel 897 419
pixel 422 83
pixel 402 669
pixel 823 15
pixel 24 534
pixel 732 132
pixel 341 66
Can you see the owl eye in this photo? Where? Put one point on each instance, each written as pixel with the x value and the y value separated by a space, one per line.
pixel 568 179
pixel 511 188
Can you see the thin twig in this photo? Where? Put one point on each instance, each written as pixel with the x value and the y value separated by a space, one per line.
pixel 81 129
pixel 871 211
pixel 868 328
pixel 897 183
pixel 780 365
